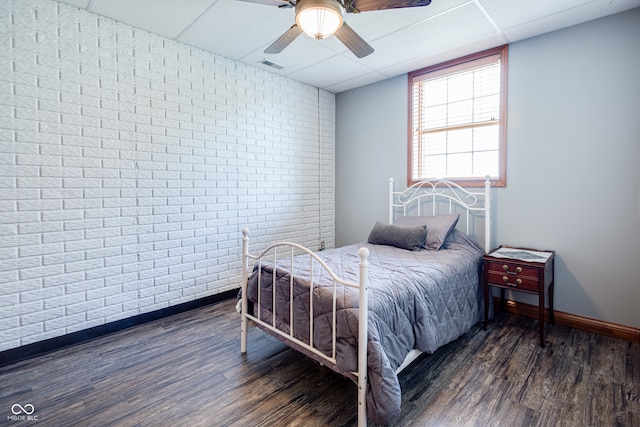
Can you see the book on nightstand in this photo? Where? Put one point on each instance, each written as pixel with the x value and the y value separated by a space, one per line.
pixel 521 254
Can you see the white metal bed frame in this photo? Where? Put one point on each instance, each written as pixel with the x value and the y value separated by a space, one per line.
pixel 430 191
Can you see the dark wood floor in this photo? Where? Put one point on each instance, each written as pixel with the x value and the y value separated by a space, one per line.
pixel 188 370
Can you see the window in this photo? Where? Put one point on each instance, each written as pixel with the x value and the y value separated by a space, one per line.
pixel 457 120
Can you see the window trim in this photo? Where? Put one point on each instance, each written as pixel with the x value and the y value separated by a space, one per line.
pixel 501 180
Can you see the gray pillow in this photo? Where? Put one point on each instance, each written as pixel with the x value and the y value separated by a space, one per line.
pixel 403 237
pixel 438 227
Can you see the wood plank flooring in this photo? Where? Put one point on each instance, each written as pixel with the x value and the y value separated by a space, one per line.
pixel 188 370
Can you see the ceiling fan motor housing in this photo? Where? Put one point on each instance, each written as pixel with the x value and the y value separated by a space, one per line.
pixel 319 18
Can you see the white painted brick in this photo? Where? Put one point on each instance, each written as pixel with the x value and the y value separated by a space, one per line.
pixel 6 253
pixel 102 313
pixel 100 273
pixel 99 294
pixel 130 188
pixel 62 258
pixel 20 171
pixel 102 213
pixel 39 183
pixel 20 263
pixel 102 253
pixel 104 193
pixel 78 288
pixel 118 222
pixel 167 296
pixel 59 193
pixel 81 224
pixel 143 304
pixel 153 290
pixel 9 323
pixel 12 293
pixel 41 249
pixel 128 281
pixel 120 298
pixel 63 236
pixel 20 240
pixel 121 315
pixel 71 204
pixel 40 316
pixel 87 324
pixel 40 294
pixel 84 307
pixel 169 280
pixel 29 333
pixel 65 321
pixel 99 233
pixel 83 265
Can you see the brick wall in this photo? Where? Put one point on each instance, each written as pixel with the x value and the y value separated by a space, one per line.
pixel 129 164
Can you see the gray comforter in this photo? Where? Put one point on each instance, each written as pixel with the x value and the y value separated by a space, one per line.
pixel 417 299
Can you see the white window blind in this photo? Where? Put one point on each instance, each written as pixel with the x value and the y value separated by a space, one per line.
pixel 458 120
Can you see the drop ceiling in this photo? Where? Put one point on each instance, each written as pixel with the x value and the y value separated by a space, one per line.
pixel 403 39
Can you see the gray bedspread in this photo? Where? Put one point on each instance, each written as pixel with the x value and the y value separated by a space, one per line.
pixel 417 299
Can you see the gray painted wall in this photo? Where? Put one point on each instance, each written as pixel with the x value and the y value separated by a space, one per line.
pixel 573 161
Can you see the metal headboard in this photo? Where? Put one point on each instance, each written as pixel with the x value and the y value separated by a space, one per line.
pixel 439 192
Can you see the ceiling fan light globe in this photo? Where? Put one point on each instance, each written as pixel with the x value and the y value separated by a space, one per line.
pixel 319 18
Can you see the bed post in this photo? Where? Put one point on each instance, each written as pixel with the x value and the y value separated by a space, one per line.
pixel 363 337
pixel 390 200
pixel 487 214
pixel 245 276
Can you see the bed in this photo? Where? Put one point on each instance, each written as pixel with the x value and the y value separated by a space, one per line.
pixel 412 287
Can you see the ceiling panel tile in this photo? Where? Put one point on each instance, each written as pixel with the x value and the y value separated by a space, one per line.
pixel 423 39
pixel 330 71
pixel 453 52
pixel 510 13
pixel 164 17
pixel 302 53
pixel 562 19
pixel 379 23
pixel 361 80
pixel 234 29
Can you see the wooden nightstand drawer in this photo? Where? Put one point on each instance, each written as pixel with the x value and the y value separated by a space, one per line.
pixel 512 268
pixel 514 281
pixel 514 275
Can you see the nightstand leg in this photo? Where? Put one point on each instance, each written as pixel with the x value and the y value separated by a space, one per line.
pixel 551 316
pixel 541 315
pixel 486 305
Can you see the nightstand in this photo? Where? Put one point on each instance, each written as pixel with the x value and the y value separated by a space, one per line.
pixel 506 268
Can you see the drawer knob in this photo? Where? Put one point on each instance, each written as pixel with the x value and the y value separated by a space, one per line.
pixel 505 267
pixel 506 280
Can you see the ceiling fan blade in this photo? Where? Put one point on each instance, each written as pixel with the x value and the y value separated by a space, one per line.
pixel 353 41
pixel 284 40
pixel 278 3
pixel 356 6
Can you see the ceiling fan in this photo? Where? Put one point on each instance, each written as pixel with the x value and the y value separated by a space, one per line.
pixel 323 18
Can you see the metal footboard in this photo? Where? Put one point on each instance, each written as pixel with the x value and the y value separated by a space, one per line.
pixel 287 250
